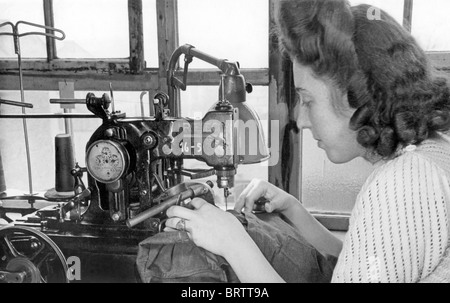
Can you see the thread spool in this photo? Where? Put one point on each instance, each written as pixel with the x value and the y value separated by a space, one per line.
pixel 64 163
pixel 2 176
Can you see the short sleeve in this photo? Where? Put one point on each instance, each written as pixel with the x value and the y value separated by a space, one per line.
pixel 399 226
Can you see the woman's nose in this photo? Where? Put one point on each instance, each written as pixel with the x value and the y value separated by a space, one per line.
pixel 302 117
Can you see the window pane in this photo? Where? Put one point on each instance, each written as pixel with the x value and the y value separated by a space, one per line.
pixel 234 29
pixel 150 33
pixel 94 29
pixel 196 101
pixel 328 187
pixel 394 8
pixel 24 10
pixel 430 24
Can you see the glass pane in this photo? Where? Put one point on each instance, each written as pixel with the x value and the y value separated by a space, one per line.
pixel 430 24
pixel 234 29
pixel 196 101
pixel 24 10
pixel 150 33
pixel 328 187
pixel 394 8
pixel 94 29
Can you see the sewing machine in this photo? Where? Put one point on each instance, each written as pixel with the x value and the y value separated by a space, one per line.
pixel 135 172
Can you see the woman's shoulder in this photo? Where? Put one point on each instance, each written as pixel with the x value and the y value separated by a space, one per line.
pixel 434 151
pixel 413 167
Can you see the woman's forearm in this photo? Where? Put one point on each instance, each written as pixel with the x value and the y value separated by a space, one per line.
pixel 313 232
pixel 249 263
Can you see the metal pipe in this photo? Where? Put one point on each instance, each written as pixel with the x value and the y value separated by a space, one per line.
pixel 15 103
pixel 228 68
pixel 48 116
pixel 24 121
pixel 68 101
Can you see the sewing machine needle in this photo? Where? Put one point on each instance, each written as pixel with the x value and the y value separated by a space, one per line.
pixel 226 194
pixel 226 202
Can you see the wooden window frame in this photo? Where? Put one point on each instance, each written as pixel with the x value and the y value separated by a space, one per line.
pixel 131 74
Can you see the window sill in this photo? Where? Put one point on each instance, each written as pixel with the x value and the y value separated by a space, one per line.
pixel 333 222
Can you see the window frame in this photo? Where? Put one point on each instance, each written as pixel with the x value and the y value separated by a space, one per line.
pixel 131 74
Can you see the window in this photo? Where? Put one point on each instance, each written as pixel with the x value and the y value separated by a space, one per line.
pixel 13 11
pixel 101 31
pixel 150 33
pixel 234 29
pixel 430 24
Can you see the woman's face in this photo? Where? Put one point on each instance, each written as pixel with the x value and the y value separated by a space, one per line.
pixel 324 109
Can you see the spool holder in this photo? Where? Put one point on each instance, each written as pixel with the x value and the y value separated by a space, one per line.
pixel 16 36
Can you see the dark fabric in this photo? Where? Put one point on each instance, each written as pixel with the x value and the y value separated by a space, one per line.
pixel 173 257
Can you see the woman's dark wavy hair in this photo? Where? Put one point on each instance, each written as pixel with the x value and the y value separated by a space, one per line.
pixel 380 66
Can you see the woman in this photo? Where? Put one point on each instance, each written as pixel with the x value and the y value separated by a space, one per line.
pixel 366 91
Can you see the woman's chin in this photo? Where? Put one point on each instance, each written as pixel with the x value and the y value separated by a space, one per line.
pixel 338 158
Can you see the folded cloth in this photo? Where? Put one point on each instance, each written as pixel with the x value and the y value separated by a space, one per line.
pixel 173 257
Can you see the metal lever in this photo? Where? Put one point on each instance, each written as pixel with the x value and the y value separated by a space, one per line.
pixel 198 173
pixel 74 203
pixel 194 191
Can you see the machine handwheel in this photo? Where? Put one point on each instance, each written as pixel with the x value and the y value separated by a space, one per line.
pixel 29 256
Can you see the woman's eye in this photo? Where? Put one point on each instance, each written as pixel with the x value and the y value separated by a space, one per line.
pixel 305 102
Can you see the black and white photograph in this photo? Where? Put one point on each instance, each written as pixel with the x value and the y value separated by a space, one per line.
pixel 224 146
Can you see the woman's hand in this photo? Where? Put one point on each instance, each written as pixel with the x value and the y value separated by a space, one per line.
pixel 276 199
pixel 208 226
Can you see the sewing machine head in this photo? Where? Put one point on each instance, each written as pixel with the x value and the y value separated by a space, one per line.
pixel 132 161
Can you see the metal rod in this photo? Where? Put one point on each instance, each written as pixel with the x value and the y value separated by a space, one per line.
pixel 24 121
pixel 68 101
pixel 142 103
pixel 49 21
pixel 16 34
pixel 113 106
pixel 48 116
pixel 15 103
pixel 68 123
